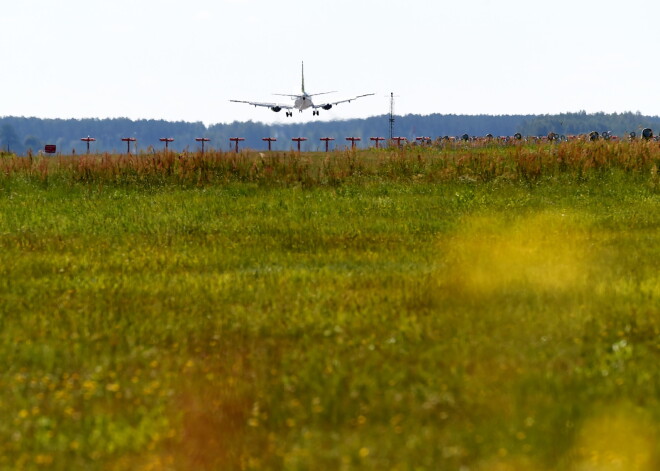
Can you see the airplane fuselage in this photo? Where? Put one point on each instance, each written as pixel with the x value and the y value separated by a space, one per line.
pixel 303 102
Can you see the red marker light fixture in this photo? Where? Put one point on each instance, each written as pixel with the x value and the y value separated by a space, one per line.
pixel 326 139
pixel 399 140
pixel 269 140
pixel 166 140
pixel 299 140
pixel 236 140
pixel 377 141
pixel 353 140
pixel 128 141
pixel 87 140
pixel 202 140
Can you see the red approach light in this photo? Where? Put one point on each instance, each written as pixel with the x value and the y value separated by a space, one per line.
pixel 167 141
pixel 269 140
pixel 128 141
pixel 377 140
pixel 236 140
pixel 50 148
pixel 299 140
pixel 87 140
pixel 353 139
pixel 399 140
pixel 202 140
pixel 326 139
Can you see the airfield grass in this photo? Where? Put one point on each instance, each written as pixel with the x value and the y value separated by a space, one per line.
pixel 379 319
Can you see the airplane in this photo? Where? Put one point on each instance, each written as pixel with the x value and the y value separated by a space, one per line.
pixel 302 101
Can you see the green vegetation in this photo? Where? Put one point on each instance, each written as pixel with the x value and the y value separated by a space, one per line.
pixel 489 308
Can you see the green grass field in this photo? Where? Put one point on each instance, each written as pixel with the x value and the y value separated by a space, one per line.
pixel 424 309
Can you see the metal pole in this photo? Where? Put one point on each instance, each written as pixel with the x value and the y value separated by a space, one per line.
pixel 391 115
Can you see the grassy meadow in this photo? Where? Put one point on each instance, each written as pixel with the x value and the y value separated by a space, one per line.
pixel 489 308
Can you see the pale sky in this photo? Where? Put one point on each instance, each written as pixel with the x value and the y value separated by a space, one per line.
pixel 183 60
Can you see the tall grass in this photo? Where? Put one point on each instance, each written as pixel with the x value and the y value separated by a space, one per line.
pixel 430 164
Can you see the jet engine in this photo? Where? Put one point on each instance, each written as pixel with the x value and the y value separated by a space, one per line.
pixel 276 109
pixel 647 133
pixel 327 107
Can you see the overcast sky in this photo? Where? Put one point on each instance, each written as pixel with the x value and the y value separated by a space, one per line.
pixel 183 60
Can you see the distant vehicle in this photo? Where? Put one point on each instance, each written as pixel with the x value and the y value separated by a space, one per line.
pixel 302 101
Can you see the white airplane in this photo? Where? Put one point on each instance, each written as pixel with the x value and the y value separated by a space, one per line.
pixel 302 101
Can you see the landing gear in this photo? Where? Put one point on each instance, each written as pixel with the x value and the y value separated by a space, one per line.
pixel 315 112
pixel 289 114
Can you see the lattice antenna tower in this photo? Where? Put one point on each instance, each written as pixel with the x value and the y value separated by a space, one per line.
pixel 391 115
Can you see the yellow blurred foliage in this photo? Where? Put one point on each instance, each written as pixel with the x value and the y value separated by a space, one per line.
pixel 545 251
pixel 620 439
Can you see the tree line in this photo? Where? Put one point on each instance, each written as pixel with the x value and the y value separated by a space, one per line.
pixel 20 135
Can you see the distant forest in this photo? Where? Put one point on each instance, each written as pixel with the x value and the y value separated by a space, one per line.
pixel 18 134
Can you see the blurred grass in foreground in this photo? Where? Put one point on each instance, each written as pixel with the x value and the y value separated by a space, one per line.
pixel 393 316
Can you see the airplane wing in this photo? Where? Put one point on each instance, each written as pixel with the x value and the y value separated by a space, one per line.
pixel 329 105
pixel 265 105
pixel 299 95
pixel 322 93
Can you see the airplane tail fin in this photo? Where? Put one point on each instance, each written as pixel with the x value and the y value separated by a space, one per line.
pixel 303 77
